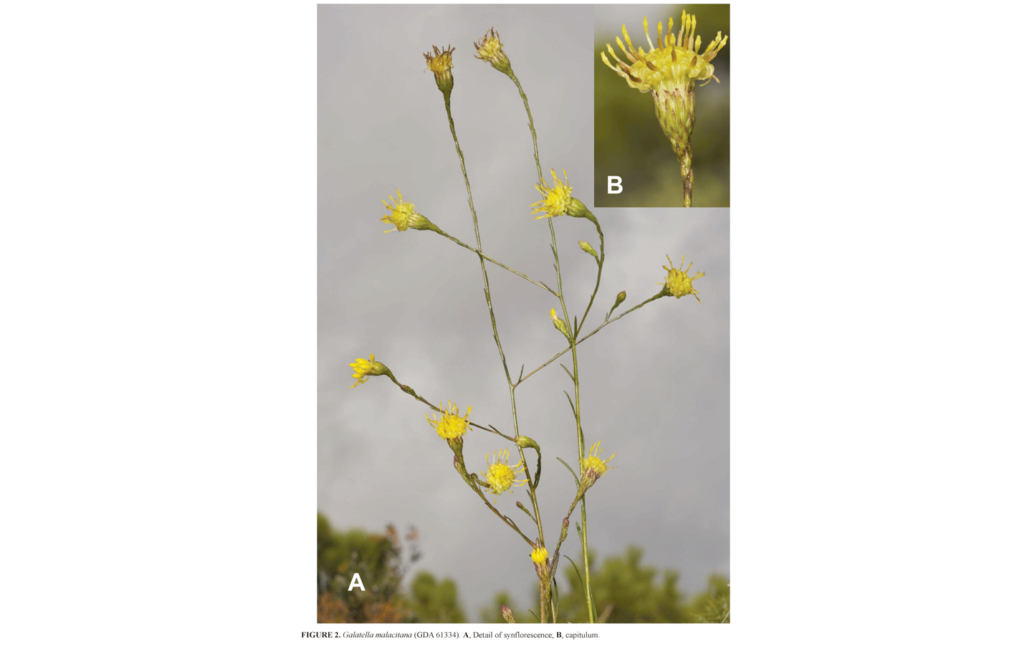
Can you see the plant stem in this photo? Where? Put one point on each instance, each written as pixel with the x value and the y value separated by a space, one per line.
pixel 566 317
pixel 687 177
pixel 494 324
pixel 408 390
pixel 597 329
pixel 598 276
pixel 481 254
pixel 504 518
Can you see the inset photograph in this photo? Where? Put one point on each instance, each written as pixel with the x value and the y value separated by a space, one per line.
pixel 662 105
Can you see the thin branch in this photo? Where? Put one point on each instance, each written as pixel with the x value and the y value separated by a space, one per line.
pixel 595 331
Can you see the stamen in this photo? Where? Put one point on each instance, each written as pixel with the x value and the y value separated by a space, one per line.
pixel 626 37
pixel 631 56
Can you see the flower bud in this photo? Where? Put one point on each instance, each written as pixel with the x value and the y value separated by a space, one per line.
pixel 523 441
pixel 587 249
pixel 620 297
pixel 559 324
pixel 507 615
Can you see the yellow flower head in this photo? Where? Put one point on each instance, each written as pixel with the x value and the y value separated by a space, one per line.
pixel 364 369
pixel 676 64
pixel 489 48
pixel 404 216
pixel 557 201
pixel 540 558
pixel 440 63
pixel 500 475
pixel 592 467
pixel 450 425
pixel 678 283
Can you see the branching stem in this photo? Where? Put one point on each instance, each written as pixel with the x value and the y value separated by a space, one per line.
pixel 595 331
pixel 494 324
pixel 566 318
pixel 485 257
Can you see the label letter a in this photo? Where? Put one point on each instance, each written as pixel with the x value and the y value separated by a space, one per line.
pixel 356 581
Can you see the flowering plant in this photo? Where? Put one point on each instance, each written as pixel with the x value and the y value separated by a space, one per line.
pixel 507 470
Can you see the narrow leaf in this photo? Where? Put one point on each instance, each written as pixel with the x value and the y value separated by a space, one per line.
pixel 576 481
pixel 571 403
pixel 576 570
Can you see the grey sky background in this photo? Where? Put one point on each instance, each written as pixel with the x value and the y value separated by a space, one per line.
pixel 655 385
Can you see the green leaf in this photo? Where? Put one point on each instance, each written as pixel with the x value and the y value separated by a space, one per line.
pixel 576 481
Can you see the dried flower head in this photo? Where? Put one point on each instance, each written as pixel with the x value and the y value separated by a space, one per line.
pixel 450 425
pixel 440 63
pixel 678 283
pixel 364 369
pixel 500 475
pixel 592 466
pixel 404 216
pixel 489 48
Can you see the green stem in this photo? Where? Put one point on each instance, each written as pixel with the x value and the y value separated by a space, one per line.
pixel 485 257
pixel 598 276
pixel 533 133
pixel 408 390
pixel 490 308
pixel 587 569
pixel 474 482
pixel 566 315
pixel 595 331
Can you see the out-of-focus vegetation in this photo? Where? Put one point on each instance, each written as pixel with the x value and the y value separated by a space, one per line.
pixel 493 612
pixel 436 602
pixel 625 590
pixel 628 140
pixel 382 560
